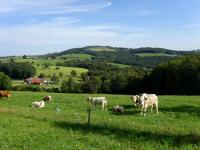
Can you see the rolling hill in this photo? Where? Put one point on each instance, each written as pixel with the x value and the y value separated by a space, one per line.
pixel 147 57
pixel 140 57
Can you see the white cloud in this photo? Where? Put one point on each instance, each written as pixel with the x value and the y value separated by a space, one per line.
pixel 54 22
pixel 37 38
pixel 50 6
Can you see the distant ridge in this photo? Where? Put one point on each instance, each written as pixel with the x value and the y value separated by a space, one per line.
pixel 143 57
pixel 133 50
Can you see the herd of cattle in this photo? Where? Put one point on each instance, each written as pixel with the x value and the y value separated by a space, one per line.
pixel 142 101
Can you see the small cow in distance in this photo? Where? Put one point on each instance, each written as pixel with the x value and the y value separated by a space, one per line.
pixel 118 109
pixel 6 94
pixel 98 101
pixel 38 104
pixel 47 98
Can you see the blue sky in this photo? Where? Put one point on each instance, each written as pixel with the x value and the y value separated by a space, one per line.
pixel 43 26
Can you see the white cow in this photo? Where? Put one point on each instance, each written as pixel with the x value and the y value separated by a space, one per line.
pixel 146 100
pixel 99 101
pixel 39 104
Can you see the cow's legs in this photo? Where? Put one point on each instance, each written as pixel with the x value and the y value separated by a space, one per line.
pixel 151 108
pixel 102 107
pixel 156 109
pixel 145 108
pixel 141 111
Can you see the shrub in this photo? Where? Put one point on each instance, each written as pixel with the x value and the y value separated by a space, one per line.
pixel 5 81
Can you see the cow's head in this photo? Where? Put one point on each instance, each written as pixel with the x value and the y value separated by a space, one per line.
pixel 140 102
pixel 89 98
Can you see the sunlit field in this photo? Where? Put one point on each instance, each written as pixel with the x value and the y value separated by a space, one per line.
pixel 62 124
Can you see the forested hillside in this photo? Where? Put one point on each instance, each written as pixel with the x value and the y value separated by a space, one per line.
pixel 141 57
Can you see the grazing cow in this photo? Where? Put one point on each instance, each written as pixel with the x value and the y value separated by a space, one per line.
pixel 146 100
pixel 98 101
pixel 6 94
pixel 47 98
pixel 118 109
pixel 39 104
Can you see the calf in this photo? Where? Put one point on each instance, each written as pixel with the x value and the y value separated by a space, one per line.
pixel 118 109
pixel 99 101
pixel 39 104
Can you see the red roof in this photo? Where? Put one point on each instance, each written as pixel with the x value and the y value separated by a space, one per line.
pixel 35 80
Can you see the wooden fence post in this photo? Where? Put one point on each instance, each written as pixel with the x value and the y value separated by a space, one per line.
pixel 89 117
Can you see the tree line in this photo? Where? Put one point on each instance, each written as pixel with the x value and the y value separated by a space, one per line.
pixel 18 71
pixel 179 76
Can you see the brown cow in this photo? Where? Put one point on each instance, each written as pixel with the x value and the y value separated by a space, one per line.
pixel 6 94
pixel 47 98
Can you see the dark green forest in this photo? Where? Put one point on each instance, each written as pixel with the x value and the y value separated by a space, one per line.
pixel 179 76
pixel 17 70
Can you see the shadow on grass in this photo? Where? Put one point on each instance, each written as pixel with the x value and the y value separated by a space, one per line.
pixel 132 135
pixel 182 109
pixel 124 134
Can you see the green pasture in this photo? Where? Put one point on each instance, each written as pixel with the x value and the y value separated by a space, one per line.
pixel 34 60
pixel 79 56
pixel 154 55
pixel 66 71
pixel 120 65
pixel 101 49
pixel 62 124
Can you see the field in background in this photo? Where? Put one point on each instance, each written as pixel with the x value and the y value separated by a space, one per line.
pixel 62 124
pixel 101 49
pixel 52 69
pixel 66 71
pixel 120 65
pixel 154 55
pixel 74 56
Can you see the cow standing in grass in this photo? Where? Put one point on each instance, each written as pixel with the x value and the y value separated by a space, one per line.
pixel 6 94
pixel 146 100
pixel 135 100
pixel 99 101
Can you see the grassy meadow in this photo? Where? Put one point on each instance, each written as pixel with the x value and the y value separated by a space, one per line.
pixel 66 71
pixel 62 124
pixel 79 56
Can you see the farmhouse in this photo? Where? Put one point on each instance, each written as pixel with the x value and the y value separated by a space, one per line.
pixel 37 81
